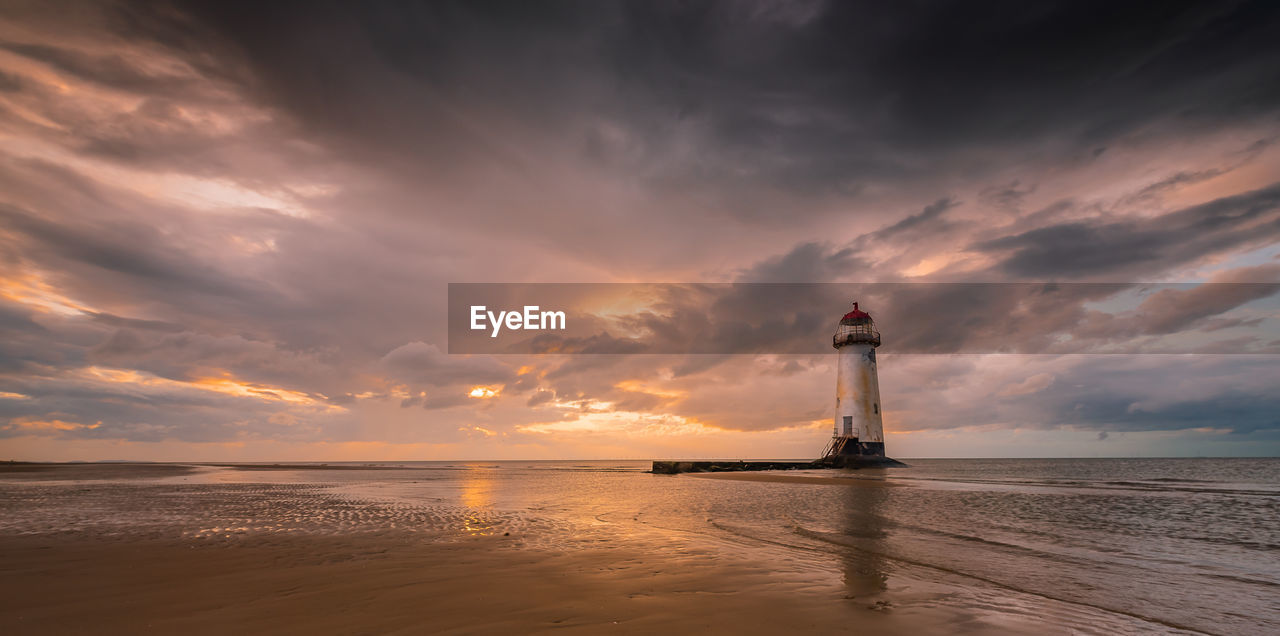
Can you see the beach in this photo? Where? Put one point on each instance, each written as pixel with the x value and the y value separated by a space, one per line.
pixel 509 547
pixel 381 584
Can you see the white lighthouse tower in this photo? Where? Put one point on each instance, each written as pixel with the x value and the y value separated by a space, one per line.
pixel 858 438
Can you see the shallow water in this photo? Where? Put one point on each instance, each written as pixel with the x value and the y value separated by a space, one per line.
pixel 1097 545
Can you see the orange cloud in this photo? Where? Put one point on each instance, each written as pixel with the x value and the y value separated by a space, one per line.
pixel 225 384
pixel 30 288
pixel 628 423
pixel 637 386
pixel 33 424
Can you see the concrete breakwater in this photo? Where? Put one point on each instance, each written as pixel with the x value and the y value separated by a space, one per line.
pixel 674 467
pixel 661 467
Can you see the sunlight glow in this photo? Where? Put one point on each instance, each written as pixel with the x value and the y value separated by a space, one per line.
pixel 33 424
pixel 628 423
pixel 226 385
pixel 31 289
pixel 636 386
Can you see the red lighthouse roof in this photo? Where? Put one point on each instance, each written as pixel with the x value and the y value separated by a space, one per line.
pixel 856 313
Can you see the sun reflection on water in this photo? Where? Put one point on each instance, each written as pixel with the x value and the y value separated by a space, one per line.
pixel 477 493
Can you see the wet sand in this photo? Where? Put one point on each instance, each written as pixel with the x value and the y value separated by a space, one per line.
pixel 39 471
pixel 386 584
pixel 123 578
pixel 118 548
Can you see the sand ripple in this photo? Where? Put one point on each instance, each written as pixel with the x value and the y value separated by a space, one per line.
pixel 228 511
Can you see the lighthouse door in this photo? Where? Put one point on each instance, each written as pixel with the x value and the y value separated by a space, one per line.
pixel 848 426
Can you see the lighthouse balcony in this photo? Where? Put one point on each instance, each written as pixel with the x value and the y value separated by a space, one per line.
pixel 855 334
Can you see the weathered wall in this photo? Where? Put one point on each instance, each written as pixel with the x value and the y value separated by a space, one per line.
pixel 858 392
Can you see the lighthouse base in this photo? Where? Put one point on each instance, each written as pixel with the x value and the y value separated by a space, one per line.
pixel 842 452
pixel 848 452
pixel 858 461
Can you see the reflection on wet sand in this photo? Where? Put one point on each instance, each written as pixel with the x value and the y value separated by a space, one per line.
pixel 865 527
pixel 477 487
pixel 477 493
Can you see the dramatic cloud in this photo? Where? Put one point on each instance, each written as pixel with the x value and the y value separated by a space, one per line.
pixel 1143 246
pixel 424 364
pixel 229 225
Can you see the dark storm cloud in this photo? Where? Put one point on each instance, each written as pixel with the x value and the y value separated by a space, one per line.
pixel 601 343
pixel 928 214
pixel 807 262
pixel 116 247
pixel 1084 393
pixel 844 93
pixel 135 323
pixel 1172 183
pixel 1239 412
pixel 115 254
pixel 10 82
pixel 1170 310
pixel 437 401
pixel 190 355
pixel 792 96
pixel 1141 247
pixel 540 397
pixel 1007 196
pixel 34 343
pixel 1096 395
pixel 425 365
pixel 15 318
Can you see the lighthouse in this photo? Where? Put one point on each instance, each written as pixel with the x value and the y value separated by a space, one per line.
pixel 858 438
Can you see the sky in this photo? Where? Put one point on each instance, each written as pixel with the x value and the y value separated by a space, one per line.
pixel 227 229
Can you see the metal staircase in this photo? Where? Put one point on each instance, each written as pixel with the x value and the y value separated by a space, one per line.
pixel 836 446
